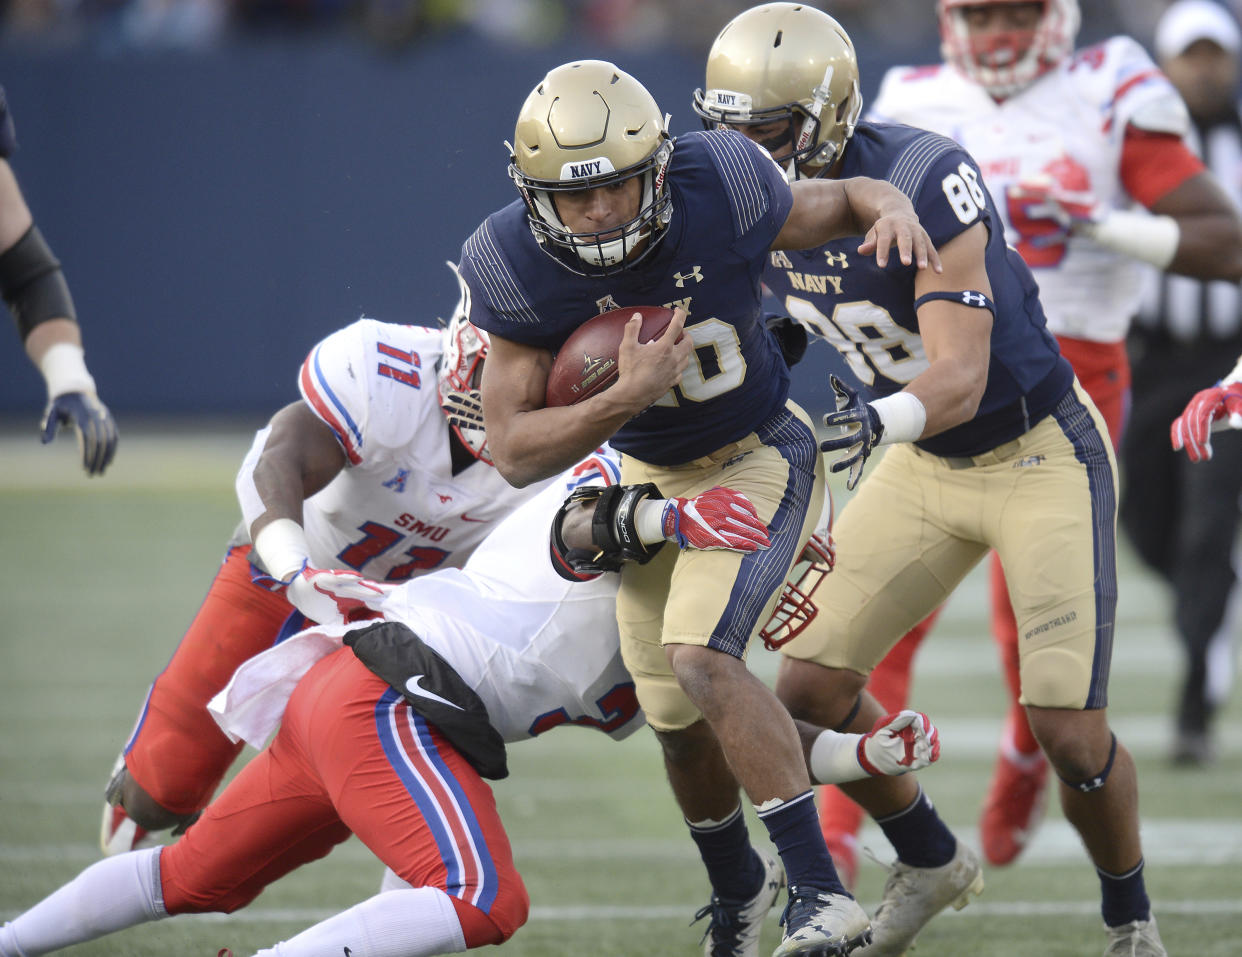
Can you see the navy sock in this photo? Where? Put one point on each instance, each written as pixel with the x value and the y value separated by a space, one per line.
pixel 733 867
pixel 919 836
pixel 1123 897
pixel 793 827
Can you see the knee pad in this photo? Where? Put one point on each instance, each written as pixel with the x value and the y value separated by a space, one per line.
pixel 1095 783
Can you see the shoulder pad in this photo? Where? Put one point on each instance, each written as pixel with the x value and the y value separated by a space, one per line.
pixel 1163 114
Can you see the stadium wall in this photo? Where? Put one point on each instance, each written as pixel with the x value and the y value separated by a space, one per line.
pixel 217 214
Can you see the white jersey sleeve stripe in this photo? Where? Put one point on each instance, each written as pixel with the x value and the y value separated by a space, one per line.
pixel 912 165
pixel 502 290
pixel 747 201
pixel 319 395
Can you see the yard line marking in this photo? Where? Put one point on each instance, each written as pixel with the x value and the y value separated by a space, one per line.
pixel 1167 842
pixel 581 912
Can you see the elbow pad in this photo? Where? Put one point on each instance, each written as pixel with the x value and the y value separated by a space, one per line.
pixel 614 534
pixel 32 284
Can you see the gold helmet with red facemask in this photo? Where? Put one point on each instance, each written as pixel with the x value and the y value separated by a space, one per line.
pixel 460 373
pixel 795 608
pixel 1007 61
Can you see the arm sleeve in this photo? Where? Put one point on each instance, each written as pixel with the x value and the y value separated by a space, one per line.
pixel 1154 164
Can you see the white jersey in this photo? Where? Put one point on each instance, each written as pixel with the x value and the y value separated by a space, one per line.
pixel 540 651
pixel 1070 125
pixel 396 510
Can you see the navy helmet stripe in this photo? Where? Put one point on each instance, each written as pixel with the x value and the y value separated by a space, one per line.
pixel 1089 448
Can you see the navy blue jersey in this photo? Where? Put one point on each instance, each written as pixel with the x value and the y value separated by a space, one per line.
pixel 867 313
pixel 8 134
pixel 729 202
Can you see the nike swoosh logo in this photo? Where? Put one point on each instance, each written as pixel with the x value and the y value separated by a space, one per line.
pixel 413 687
pixel 467 518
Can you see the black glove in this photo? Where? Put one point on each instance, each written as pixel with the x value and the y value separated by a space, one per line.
pixel 859 431
pixel 96 430
pixel 790 336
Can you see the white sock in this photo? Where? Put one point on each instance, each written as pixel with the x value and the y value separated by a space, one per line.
pixel 417 922
pixel 108 896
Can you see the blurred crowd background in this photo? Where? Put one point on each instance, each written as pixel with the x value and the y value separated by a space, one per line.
pixel 227 181
pixel 124 26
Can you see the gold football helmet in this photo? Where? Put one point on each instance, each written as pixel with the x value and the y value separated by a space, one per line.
pixel 590 124
pixel 785 61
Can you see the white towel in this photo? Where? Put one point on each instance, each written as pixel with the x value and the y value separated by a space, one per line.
pixel 252 703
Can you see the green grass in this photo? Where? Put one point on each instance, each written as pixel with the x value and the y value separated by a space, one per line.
pixel 98 579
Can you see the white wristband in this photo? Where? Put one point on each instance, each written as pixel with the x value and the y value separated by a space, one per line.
pixel 649 520
pixel 903 416
pixel 64 369
pixel 1142 236
pixel 834 758
pixel 281 547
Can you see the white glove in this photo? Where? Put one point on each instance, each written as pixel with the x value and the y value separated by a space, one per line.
pixel 899 743
pixel 335 596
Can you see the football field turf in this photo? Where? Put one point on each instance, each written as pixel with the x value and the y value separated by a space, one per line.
pixel 98 579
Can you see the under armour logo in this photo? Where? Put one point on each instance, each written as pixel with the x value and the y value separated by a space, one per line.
pixel 1088 786
pixel 837 260
pixel 976 299
pixel 397 482
pixel 696 274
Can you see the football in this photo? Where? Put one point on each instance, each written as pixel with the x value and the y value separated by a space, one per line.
pixel 587 363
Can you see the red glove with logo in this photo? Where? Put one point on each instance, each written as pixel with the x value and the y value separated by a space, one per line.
pixel 336 595
pixel 719 518
pixel 1204 414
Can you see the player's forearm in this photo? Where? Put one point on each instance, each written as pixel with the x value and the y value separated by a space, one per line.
pixel 1209 246
pixel 950 390
pixel 535 445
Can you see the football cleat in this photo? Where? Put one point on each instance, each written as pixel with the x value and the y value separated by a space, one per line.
pixel 914 895
pixel 1014 806
pixel 818 924
pixel 118 833
pixel 734 928
pixel 1139 938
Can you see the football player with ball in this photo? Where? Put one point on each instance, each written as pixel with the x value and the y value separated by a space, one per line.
pixel 993 445
pixel 615 213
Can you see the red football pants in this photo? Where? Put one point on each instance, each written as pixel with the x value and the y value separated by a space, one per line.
pixel 177 754
pixel 351 756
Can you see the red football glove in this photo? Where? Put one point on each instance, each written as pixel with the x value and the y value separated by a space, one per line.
pixel 900 742
pixel 1045 212
pixel 335 596
pixel 719 518
pixel 1192 430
